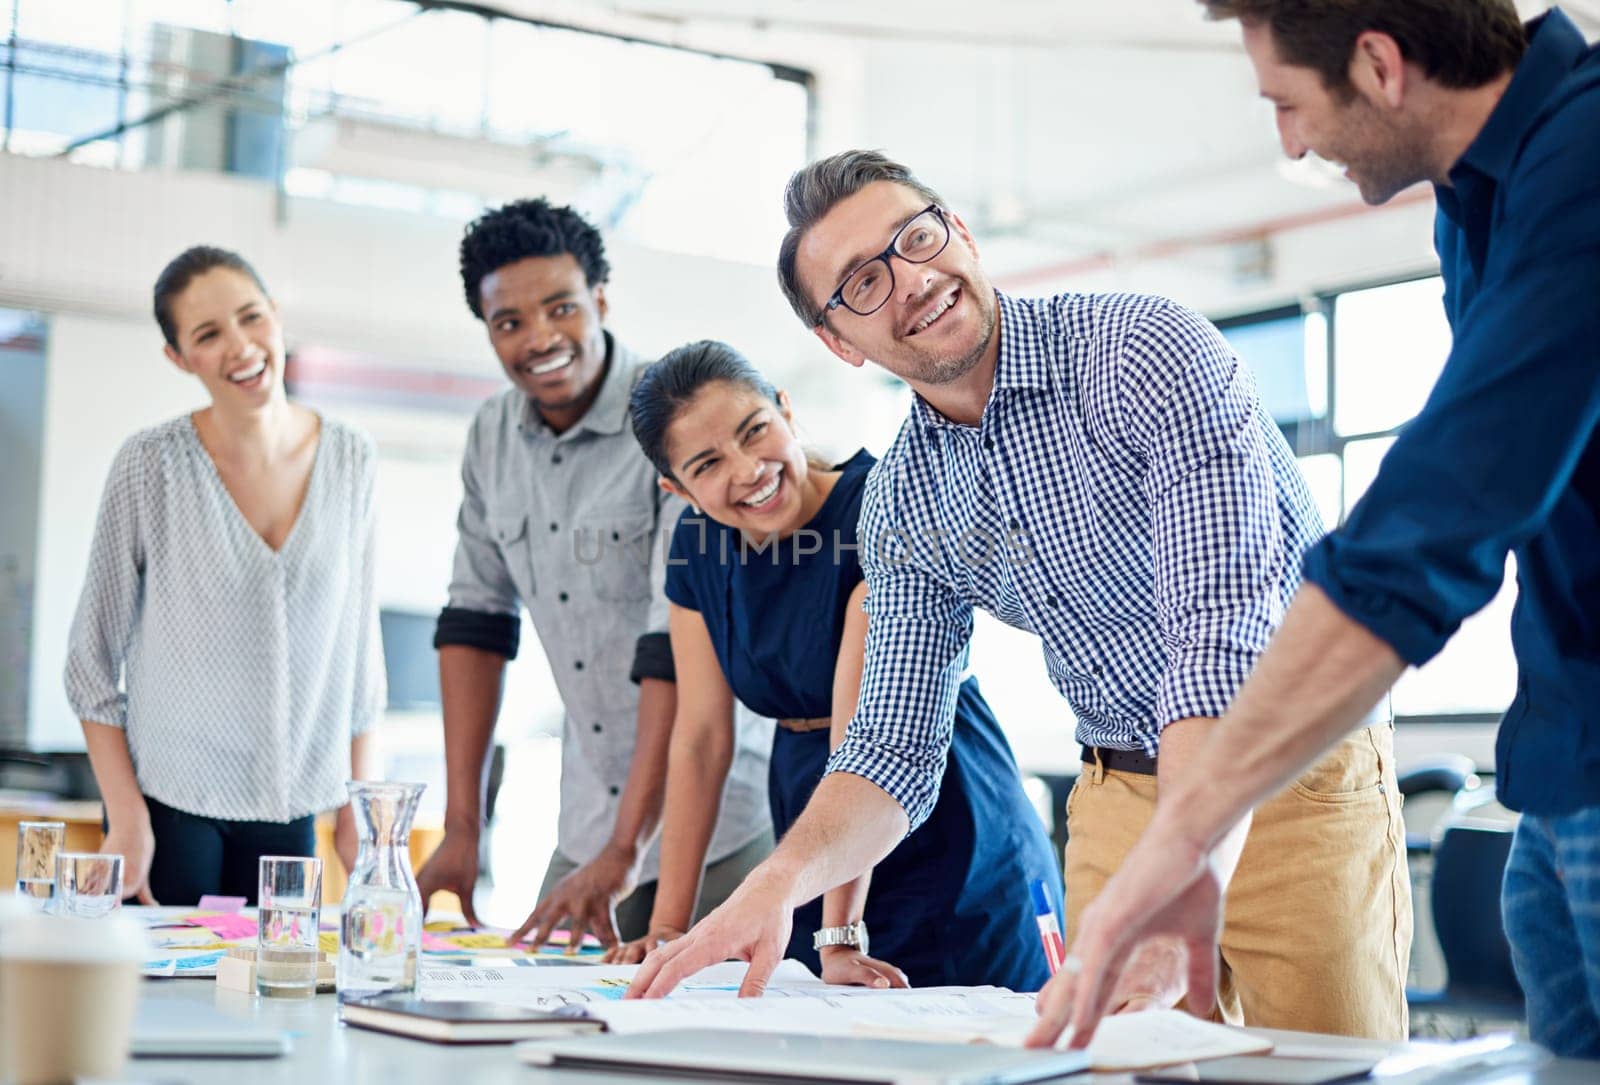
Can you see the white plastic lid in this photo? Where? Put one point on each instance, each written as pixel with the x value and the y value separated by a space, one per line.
pixel 38 937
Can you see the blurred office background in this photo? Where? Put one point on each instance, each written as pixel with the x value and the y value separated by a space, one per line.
pixel 341 145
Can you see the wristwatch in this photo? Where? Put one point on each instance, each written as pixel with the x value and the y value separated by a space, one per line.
pixel 851 934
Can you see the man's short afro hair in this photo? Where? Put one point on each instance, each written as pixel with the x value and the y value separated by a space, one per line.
pixel 525 228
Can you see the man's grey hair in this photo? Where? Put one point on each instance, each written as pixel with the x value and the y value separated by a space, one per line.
pixel 813 191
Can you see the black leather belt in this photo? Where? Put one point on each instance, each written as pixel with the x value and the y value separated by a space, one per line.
pixel 1134 761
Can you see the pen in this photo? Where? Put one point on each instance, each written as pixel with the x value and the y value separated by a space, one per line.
pixel 1049 931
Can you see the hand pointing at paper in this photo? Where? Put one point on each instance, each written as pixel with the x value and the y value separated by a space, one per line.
pixel 1173 883
pixel 751 925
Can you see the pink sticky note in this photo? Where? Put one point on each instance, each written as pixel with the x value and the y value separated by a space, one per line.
pixel 563 937
pixel 229 928
pixel 434 944
pixel 231 905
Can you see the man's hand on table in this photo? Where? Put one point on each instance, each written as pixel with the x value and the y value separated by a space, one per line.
pixel 1166 889
pixel 751 925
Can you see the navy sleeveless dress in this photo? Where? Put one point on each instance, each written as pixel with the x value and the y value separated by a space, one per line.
pixel 950 905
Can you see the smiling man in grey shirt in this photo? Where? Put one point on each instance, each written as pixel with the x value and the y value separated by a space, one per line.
pixel 561 514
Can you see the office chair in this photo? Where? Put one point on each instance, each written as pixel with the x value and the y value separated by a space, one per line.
pixel 1444 775
pixel 1469 862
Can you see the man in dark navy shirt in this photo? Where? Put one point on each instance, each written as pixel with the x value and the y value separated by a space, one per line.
pixel 1504 458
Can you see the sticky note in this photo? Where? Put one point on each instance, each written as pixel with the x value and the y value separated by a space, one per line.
pixel 229 905
pixel 196 963
pixel 229 928
pixel 479 940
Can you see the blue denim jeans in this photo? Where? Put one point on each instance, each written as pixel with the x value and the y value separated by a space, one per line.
pixel 1551 903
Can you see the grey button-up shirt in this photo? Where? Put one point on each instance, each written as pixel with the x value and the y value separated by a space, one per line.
pixel 570 525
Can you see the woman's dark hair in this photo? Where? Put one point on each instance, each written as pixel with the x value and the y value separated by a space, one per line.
pixel 525 228
pixel 184 269
pixel 671 384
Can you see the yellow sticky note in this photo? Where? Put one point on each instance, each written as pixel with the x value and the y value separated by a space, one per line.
pixel 328 941
pixel 477 941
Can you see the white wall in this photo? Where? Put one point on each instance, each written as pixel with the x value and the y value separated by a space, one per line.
pixel 105 382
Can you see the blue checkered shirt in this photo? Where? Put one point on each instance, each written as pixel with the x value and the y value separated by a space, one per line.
pixel 1124 496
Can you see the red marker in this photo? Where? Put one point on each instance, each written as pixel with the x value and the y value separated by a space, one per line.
pixel 1055 952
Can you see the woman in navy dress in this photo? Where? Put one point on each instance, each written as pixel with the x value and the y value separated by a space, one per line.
pixel 766 593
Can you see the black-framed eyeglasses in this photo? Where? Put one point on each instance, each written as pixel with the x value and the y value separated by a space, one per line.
pixel 866 289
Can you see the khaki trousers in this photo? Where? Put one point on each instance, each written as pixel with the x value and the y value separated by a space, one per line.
pixel 1317 927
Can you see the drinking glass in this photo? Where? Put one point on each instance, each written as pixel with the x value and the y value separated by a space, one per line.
pixel 286 939
pixel 37 845
pixel 88 884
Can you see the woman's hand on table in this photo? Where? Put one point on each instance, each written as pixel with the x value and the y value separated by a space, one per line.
pixel 131 837
pixel 635 951
pixel 848 965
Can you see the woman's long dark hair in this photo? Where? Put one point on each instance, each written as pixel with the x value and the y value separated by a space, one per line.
pixel 669 385
pixel 184 268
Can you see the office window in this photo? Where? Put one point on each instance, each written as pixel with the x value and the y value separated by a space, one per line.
pixel 1391 342
pixel 690 167
pixel 64 76
pixel 1324 475
pixel 424 69
pixel 1286 353
pixel 402 105
pixel 1386 349
pixel 1362 459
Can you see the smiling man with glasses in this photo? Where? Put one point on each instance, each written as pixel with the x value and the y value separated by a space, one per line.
pixel 1098 470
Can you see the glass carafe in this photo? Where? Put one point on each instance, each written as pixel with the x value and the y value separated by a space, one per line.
pixel 380 924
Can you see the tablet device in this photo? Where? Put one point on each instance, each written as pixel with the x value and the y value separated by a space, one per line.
pixel 788 1057
pixel 172 1029
pixel 1261 1070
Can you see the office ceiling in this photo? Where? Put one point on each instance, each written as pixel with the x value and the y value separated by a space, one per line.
pixel 1071 133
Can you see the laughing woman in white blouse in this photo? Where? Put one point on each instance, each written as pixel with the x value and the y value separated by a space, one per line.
pixel 225 658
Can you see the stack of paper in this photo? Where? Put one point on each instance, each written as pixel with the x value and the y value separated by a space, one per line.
pixel 551 988
pixel 949 1015
pixel 1133 1041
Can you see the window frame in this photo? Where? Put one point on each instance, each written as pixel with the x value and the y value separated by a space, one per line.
pixel 127 60
pixel 1319 436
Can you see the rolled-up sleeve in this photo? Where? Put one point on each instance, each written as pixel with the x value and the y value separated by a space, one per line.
pixel 112 590
pixel 917 636
pixel 1479 471
pixel 484 608
pixel 1219 552
pixel 652 657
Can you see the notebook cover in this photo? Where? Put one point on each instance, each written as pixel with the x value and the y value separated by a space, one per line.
pixel 460 1013
pixel 461 1021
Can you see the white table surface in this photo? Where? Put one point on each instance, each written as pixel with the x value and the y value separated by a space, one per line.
pixel 327 1051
